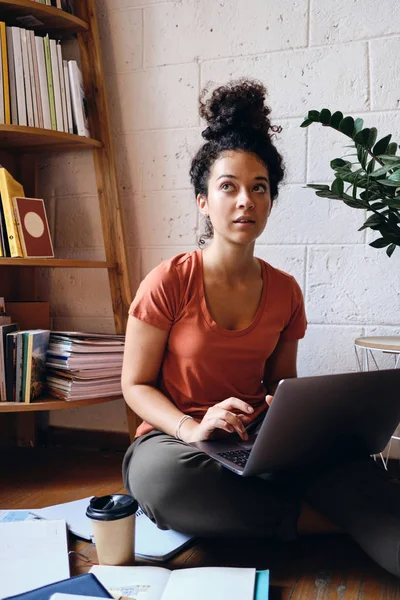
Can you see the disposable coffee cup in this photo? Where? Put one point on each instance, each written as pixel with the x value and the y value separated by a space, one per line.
pixel 113 521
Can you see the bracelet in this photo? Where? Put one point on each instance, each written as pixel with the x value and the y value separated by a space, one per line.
pixel 178 427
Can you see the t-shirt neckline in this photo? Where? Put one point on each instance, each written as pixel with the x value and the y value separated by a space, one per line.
pixel 204 309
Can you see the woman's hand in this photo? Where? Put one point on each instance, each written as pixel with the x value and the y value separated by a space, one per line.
pixel 268 399
pixel 230 415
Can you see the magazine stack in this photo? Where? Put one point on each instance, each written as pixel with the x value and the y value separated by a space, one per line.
pixel 81 365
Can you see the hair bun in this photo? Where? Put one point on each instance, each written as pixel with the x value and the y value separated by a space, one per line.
pixel 237 106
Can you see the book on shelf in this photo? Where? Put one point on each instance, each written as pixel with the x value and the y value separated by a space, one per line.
pixel 33 227
pixel 27 78
pixel 79 104
pixel 10 188
pixel 12 78
pixel 19 76
pixel 4 331
pixel 2 96
pixel 159 583
pixel 56 85
pixel 43 84
pixel 34 374
pixel 5 70
pixel 62 87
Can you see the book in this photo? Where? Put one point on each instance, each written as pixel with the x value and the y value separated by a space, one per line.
pixel 19 75
pixel 33 227
pixel 56 85
pixel 79 104
pixel 27 77
pixel 38 97
pixel 33 553
pixel 4 330
pixel 35 351
pixel 8 189
pixel 158 583
pixel 11 362
pixel 43 85
pixel 62 86
pixel 32 78
pixel 6 78
pixel 4 245
pixel 2 111
pixel 86 586
pixel 50 83
pixel 12 79
pixel 70 124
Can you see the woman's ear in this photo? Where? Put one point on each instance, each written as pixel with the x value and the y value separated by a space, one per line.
pixel 202 204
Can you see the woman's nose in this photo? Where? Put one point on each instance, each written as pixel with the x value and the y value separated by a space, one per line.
pixel 245 201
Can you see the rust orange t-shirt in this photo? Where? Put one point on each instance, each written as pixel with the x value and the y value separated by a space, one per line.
pixel 204 363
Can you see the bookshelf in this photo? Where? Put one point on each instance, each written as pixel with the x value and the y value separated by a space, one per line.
pixel 19 149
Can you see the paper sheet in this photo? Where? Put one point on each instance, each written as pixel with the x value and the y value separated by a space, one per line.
pixel 33 553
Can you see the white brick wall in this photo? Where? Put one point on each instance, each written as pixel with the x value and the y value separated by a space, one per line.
pixel 158 54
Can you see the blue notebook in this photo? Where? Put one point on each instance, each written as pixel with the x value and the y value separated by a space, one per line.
pixel 262 585
pixel 84 585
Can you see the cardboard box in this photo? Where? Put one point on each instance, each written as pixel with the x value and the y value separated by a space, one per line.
pixel 30 315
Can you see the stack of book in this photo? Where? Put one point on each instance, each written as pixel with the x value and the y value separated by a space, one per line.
pixel 37 87
pixel 66 5
pixel 22 362
pixel 84 365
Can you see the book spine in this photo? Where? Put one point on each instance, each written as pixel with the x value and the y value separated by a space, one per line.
pixel 19 76
pixel 10 366
pixel 27 78
pixel 27 367
pixel 68 95
pixel 3 396
pixel 9 188
pixel 2 114
pixel 32 79
pixel 3 233
pixel 56 85
pixel 62 87
pixel 18 367
pixel 11 73
pixel 44 90
pixel 36 79
pixel 49 72
pixel 6 79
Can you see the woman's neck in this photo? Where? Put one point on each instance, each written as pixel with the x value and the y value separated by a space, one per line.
pixel 232 264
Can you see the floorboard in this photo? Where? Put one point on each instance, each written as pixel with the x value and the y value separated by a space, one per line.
pixel 316 567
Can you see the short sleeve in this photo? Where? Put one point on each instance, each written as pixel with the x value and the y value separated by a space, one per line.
pixel 157 299
pixel 296 326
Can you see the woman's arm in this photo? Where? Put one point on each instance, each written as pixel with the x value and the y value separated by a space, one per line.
pixel 143 356
pixel 282 364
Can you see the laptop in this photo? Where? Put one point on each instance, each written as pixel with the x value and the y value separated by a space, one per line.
pixel 313 419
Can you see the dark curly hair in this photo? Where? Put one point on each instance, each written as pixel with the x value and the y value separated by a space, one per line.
pixel 237 119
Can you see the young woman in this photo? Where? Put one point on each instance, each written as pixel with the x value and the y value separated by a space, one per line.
pixel 210 334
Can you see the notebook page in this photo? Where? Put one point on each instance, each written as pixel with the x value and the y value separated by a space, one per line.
pixel 32 554
pixel 212 583
pixel 141 583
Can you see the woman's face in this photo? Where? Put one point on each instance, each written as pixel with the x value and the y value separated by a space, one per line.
pixel 238 200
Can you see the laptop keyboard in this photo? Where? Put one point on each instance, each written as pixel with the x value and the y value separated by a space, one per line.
pixel 238 457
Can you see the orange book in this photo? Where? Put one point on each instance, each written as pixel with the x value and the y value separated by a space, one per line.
pixel 4 66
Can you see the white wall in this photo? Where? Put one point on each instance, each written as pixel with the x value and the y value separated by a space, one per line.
pixel 158 55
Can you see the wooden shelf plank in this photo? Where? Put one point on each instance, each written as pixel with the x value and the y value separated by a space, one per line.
pixel 57 263
pixel 33 139
pixel 48 18
pixel 49 403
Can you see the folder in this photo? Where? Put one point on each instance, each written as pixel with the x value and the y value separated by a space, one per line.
pixel 84 585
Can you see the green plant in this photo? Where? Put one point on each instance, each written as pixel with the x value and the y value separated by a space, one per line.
pixel 371 182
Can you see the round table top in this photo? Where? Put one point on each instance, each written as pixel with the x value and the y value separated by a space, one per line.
pixel 384 342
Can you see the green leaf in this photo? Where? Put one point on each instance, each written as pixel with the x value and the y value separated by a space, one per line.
pixel 362 137
pixel 346 126
pixel 306 122
pixel 353 203
pixel 388 182
pixel 381 146
pixel 358 124
pixel 336 118
pixel 377 206
pixel 326 194
pixel 395 176
pixel 370 166
pixel 383 170
pixel 388 158
pixel 392 148
pixel 337 187
pixel 373 133
pixel 318 186
pixel 390 249
pixel 325 116
pixel 338 162
pixel 380 243
pixel 313 115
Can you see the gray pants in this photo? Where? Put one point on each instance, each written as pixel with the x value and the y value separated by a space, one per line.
pixel 181 488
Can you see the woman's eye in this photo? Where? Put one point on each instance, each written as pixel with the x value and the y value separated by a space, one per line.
pixel 260 188
pixel 226 187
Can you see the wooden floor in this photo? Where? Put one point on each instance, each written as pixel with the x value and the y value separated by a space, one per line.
pixel 323 567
